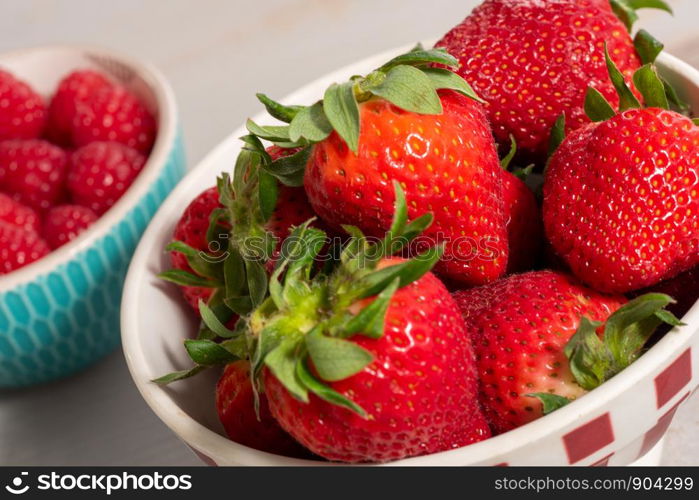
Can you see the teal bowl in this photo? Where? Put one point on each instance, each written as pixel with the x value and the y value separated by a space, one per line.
pixel 61 313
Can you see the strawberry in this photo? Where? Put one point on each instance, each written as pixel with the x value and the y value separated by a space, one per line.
pixel 22 110
pixel 191 229
pixel 620 195
pixel 112 113
pixel 419 126
pixel 291 209
pixel 519 326
pixel 348 188
pixel 539 341
pixel 372 362
pixel 14 213
pixel 64 223
pixel 235 403
pixel 77 87
pixel 33 172
pixel 101 172
pixel 533 61
pixel 418 400
pixel 524 227
pixel 19 247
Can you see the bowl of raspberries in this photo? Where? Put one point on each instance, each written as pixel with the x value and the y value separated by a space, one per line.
pixel 479 251
pixel 88 150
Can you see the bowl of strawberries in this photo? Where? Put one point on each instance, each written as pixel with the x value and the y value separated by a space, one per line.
pixel 89 147
pixel 478 253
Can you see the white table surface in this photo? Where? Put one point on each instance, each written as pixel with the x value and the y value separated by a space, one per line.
pixel 217 54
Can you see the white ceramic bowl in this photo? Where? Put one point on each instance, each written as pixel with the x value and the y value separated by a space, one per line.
pixel 61 313
pixel 614 424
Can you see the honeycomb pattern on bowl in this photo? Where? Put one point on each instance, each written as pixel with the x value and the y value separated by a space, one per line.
pixel 66 319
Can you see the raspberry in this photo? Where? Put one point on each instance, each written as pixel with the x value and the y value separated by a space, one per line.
pixel 33 172
pixel 101 172
pixel 65 222
pixel 22 111
pixel 19 248
pixel 114 114
pixel 14 213
pixel 77 87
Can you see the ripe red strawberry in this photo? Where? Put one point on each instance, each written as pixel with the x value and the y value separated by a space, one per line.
pixel 33 172
pixel 620 199
pixel 447 165
pixel 191 229
pixel 292 210
pixel 101 172
pixel 415 124
pixel 22 110
pixel 533 60
pixel 19 247
pixel 524 328
pixel 63 223
pixel 419 391
pixel 371 362
pixel 235 404
pixel 519 326
pixel 14 213
pixel 113 113
pixel 77 87
pixel 524 227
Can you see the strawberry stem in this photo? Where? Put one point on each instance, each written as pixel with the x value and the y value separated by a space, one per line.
pixel 595 359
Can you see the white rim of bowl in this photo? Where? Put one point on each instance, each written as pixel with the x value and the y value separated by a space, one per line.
pixel 207 441
pixel 164 142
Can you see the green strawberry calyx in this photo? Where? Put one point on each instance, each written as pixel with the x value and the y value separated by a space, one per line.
pixel 549 402
pixel 409 81
pixel 558 134
pixel 520 172
pixel 236 269
pixel 625 10
pixel 656 91
pixel 647 47
pixel 595 358
pixel 302 332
